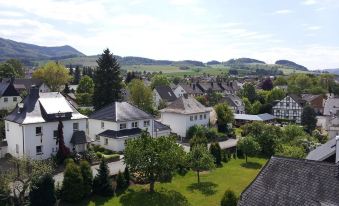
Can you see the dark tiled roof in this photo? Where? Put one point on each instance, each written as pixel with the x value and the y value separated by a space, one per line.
pixel 309 97
pixel 166 93
pixel 80 137
pixel 297 99
pixel 209 86
pixel 158 126
pixel 191 88
pixel 120 111
pixel 185 105
pixel 27 83
pixel 288 181
pixel 7 89
pixel 35 108
pixel 121 133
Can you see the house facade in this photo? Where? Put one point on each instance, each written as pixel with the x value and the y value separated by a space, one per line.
pixel 9 96
pixel 235 103
pixel 289 108
pixel 112 125
pixel 25 84
pixel 184 113
pixel 32 128
pixel 190 89
pixel 315 101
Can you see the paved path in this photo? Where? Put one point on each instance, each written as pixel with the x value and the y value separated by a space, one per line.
pixel 114 168
pixel 223 144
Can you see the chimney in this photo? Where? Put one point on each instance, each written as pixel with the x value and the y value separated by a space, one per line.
pixel 185 96
pixel 193 86
pixel 337 149
pixel 20 107
pixel 34 92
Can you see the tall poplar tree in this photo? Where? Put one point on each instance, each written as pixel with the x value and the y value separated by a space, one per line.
pixel 107 81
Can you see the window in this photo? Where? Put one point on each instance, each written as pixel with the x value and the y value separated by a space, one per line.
pixel 55 133
pixel 195 117
pixel 7 125
pixel 123 126
pixel 97 138
pixel 102 125
pixel 39 150
pixel 288 99
pixel 15 99
pixel 38 131
pixel 17 148
pixel 146 123
pixel 281 104
pixel 287 104
pixel 75 126
pixel 106 141
pixel 191 118
pixel 134 124
pixel 5 99
pixel 205 116
pixel 200 117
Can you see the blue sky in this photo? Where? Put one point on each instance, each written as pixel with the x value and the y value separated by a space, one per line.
pixel 304 31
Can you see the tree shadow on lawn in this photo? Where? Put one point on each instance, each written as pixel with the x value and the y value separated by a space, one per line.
pixel 251 165
pixel 206 188
pixel 158 198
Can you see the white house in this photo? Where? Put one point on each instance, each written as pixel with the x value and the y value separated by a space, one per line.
pixel 290 108
pixel 32 127
pixel 330 120
pixel 190 89
pixel 184 113
pixel 112 125
pixel 163 93
pixel 9 96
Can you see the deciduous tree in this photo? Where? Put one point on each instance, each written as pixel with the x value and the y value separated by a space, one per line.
pixel 141 95
pixel 159 80
pixel 225 116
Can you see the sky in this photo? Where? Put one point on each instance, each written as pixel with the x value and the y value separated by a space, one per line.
pixel 304 31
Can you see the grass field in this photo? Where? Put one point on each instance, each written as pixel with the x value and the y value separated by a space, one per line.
pixel 184 190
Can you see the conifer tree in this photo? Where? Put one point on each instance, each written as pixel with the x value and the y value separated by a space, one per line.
pixel 87 176
pixel 102 185
pixel 77 75
pixel 107 81
pixel 72 185
pixel 42 191
pixel 127 175
pixel 121 182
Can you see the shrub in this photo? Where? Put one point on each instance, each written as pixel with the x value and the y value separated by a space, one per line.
pixel 198 140
pixel 225 157
pixel 42 191
pixel 229 199
pixel 87 176
pixel 72 181
pixel 111 158
pixel 215 150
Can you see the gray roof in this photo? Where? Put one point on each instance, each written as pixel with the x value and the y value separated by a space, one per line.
pixel 3 87
pixel 324 151
pixel 331 106
pixel 287 181
pixel 7 89
pixel 121 133
pixel 120 112
pixel 26 83
pixel 297 99
pixel 191 88
pixel 233 100
pixel 35 109
pixel 251 117
pixel 158 126
pixel 310 97
pixel 205 86
pixel 80 137
pixel 166 93
pixel 186 105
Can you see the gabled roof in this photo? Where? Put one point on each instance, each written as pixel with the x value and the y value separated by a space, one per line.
pixel 331 106
pixel 166 93
pixel 288 181
pixel 233 100
pixel 120 112
pixel 36 107
pixel 213 86
pixel 324 151
pixel 121 133
pixel 297 99
pixel 310 97
pixel 7 89
pixel 26 83
pixel 191 88
pixel 186 105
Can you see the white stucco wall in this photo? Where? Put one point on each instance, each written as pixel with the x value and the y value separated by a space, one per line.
pixel 44 88
pixel 46 140
pixel 179 91
pixel 180 123
pixel 10 104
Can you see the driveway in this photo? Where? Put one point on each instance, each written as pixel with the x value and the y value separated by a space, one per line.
pixel 114 168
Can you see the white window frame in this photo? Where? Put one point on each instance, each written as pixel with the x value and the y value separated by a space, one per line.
pixel 76 128
pixel 106 141
pixel 5 99
pixel 191 118
pixel 147 123
pixel 97 138
pixel 36 150
pixel 123 126
pixel 15 99
pixel 38 134
pixel 134 124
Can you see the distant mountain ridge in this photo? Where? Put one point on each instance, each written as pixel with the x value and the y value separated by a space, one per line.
pixel 291 64
pixel 244 61
pixel 30 52
pixel 332 71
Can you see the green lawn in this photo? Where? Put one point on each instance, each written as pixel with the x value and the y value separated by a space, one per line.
pixel 184 190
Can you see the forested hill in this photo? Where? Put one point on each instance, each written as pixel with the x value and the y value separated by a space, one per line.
pixel 291 64
pixel 30 52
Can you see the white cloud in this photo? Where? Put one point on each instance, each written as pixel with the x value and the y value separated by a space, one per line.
pixel 310 2
pixel 313 28
pixel 283 11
